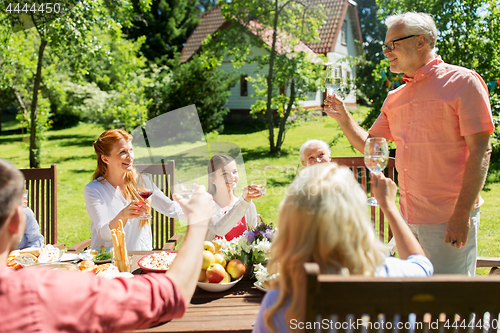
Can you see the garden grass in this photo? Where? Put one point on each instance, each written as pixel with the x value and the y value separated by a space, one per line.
pixel 71 149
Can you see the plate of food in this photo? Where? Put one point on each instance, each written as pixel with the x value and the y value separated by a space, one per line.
pixel 158 262
pixel 30 256
pixel 266 284
pixel 218 287
pixel 96 256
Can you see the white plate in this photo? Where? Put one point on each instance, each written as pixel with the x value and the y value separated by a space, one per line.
pixel 217 287
pixel 69 257
pixel 259 286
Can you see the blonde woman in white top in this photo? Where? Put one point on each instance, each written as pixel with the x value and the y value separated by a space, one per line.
pixel 112 195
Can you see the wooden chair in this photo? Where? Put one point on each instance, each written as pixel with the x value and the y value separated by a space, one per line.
pixel 162 227
pixel 42 199
pixel 357 165
pixel 356 299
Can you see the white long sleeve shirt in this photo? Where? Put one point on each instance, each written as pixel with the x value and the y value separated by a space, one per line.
pixel 222 223
pixel 104 203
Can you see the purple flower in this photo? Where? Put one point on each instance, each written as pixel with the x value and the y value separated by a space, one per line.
pixel 269 234
pixel 249 235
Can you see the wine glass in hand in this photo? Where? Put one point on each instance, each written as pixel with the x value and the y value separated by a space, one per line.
pixel 145 188
pixel 186 188
pixel 376 158
pixel 333 81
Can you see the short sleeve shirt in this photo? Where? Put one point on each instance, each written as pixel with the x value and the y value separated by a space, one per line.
pixel 428 118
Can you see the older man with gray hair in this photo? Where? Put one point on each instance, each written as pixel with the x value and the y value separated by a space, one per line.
pixel 313 152
pixel 440 121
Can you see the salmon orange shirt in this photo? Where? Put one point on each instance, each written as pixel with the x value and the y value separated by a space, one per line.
pixel 427 118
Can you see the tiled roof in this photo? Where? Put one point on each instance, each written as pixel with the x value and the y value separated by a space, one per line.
pixel 328 32
pixel 335 11
pixel 210 22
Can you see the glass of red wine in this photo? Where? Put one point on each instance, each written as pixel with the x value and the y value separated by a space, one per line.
pixel 145 188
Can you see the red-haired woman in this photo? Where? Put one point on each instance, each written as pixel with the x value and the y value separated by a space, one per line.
pixel 112 195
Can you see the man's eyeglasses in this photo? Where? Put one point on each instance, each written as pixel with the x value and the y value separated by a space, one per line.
pixel 390 45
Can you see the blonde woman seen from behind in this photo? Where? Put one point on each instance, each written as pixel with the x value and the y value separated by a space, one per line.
pixel 323 219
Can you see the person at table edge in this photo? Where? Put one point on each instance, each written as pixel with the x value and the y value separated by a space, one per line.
pixel 440 121
pixel 44 300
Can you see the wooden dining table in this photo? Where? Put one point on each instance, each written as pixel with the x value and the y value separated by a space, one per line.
pixel 234 310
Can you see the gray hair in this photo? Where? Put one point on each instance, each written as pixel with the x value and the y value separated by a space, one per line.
pixel 306 145
pixel 416 24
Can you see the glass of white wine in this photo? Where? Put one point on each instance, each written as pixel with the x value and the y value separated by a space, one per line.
pixel 376 158
pixel 186 188
pixel 333 81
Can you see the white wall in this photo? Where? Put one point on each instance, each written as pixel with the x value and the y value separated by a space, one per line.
pixel 340 52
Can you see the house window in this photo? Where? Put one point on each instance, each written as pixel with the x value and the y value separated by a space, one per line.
pixel 348 77
pixel 343 34
pixel 243 85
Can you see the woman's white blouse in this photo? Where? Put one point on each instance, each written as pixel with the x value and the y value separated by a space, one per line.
pixel 222 223
pixel 104 203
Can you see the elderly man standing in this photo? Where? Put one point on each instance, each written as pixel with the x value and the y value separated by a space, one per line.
pixel 313 152
pixel 440 121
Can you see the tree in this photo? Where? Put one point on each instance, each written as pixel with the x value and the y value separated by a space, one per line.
pixel 468 36
pixel 370 85
pixel 166 26
pixel 291 73
pixel 196 82
pixel 71 33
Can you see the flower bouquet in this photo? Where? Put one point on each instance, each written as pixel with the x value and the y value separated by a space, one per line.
pixel 253 248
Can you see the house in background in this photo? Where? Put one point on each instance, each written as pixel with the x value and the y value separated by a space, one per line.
pixel 340 36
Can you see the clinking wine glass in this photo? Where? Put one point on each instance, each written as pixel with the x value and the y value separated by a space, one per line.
pixel 186 188
pixel 145 188
pixel 261 183
pixel 376 158
pixel 333 81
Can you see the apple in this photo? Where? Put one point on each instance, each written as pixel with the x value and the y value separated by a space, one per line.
pixel 215 273
pixel 217 247
pixel 208 259
pixel 209 246
pixel 219 259
pixel 236 268
pixel 203 276
pixel 226 279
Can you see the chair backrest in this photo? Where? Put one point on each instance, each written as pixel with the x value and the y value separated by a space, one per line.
pixel 433 300
pixel 162 227
pixel 42 199
pixel 357 165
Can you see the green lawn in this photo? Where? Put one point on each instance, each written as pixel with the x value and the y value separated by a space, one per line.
pixel 71 149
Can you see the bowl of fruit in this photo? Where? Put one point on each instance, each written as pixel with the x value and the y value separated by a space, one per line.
pixel 216 274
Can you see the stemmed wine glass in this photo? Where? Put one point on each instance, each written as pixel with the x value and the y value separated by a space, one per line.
pixel 186 188
pixel 145 188
pixel 376 158
pixel 333 80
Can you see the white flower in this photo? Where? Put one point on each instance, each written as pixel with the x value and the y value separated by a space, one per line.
pixel 260 272
pixel 243 244
pixel 263 246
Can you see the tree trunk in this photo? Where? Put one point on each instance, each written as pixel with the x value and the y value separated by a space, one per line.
pixel 1 111
pixel 281 133
pixel 269 112
pixel 34 149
